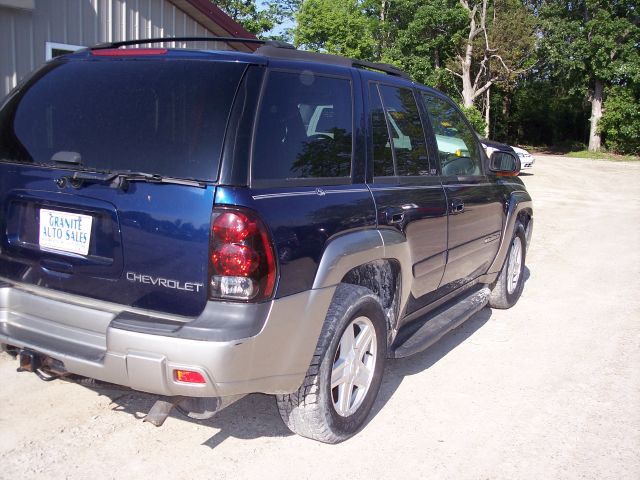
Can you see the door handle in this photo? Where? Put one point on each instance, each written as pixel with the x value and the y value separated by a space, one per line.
pixel 457 206
pixel 394 215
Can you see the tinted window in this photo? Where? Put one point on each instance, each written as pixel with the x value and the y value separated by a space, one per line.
pixel 304 128
pixel 166 117
pixel 382 154
pixel 406 131
pixel 457 145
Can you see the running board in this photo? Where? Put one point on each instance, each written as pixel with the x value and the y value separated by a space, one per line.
pixel 432 327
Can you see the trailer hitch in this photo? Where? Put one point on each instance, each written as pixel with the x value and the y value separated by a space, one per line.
pixel 29 361
pixel 34 362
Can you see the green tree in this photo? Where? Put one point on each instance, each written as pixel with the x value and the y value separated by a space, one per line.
pixel 590 45
pixel 497 44
pixel 475 118
pixel 620 122
pixel 511 33
pixel 259 20
pixel 342 27
pixel 247 14
pixel 425 44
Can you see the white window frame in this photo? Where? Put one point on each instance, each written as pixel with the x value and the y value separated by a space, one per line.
pixel 51 46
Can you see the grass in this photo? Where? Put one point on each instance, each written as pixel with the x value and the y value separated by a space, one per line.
pixel 612 157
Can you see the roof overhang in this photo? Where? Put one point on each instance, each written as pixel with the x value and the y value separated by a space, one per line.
pixel 215 20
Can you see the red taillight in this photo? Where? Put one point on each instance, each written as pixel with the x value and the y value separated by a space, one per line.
pixel 188 376
pixel 242 260
pixel 233 227
pixel 235 260
pixel 128 52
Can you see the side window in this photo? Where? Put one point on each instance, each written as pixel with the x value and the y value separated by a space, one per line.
pixel 304 128
pixel 382 154
pixel 457 145
pixel 405 127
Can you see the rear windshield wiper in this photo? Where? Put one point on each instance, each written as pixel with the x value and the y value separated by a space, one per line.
pixel 120 179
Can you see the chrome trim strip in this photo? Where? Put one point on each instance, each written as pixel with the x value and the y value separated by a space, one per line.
pixel 410 187
pixel 372 188
pixel 487 184
pixel 317 191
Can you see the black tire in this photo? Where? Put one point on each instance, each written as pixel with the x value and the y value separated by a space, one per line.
pixel 504 293
pixel 311 411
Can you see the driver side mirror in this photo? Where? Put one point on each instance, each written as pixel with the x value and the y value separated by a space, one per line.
pixel 505 164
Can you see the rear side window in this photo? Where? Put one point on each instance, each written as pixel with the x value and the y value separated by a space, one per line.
pixel 165 117
pixel 304 128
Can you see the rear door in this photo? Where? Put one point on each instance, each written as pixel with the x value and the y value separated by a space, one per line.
pixel 140 243
pixel 407 192
pixel 307 179
pixel 474 202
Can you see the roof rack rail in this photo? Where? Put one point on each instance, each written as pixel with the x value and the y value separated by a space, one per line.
pixel 143 41
pixel 269 48
pixel 382 67
pixel 275 51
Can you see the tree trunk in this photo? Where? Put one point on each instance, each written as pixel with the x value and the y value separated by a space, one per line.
pixel 487 117
pixel 506 113
pixel 470 88
pixel 506 105
pixel 595 140
pixel 383 34
pixel 468 92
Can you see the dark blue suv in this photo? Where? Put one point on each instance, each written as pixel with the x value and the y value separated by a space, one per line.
pixel 206 224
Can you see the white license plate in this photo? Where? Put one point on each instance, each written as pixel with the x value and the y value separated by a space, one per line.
pixel 68 232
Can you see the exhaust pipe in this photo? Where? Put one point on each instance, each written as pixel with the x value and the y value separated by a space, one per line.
pixel 199 408
pixel 203 408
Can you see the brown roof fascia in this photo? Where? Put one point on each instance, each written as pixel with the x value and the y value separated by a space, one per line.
pixel 215 20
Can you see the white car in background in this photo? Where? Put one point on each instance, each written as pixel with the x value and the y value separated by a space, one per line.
pixel 526 159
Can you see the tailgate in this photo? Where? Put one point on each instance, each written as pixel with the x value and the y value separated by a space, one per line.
pixel 144 244
pixel 149 254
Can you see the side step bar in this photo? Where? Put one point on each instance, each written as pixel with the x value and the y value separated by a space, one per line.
pixel 432 327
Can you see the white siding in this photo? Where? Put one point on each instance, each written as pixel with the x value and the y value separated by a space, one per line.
pixel 24 33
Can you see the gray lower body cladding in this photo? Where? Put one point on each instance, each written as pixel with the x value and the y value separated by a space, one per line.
pixel 92 339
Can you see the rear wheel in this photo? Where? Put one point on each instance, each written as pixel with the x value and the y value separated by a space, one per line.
pixel 344 377
pixel 508 287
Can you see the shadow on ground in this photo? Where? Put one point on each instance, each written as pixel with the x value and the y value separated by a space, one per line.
pixel 256 415
pixel 397 369
pixel 253 416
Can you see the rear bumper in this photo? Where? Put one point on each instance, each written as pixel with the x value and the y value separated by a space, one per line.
pixel 136 349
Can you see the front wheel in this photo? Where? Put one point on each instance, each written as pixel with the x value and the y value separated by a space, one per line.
pixel 508 287
pixel 344 377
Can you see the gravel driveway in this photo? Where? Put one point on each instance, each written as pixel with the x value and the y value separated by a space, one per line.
pixel 549 389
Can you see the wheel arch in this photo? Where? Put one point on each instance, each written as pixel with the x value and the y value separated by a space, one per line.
pixel 376 259
pixel 519 208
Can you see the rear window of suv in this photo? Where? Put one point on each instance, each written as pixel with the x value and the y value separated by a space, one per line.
pixel 165 117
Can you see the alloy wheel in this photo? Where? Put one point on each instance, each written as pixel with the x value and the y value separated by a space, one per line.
pixel 353 366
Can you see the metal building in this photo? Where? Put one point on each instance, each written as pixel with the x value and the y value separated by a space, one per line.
pixel 33 31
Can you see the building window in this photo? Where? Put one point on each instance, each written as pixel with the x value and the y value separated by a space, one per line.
pixel 56 49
